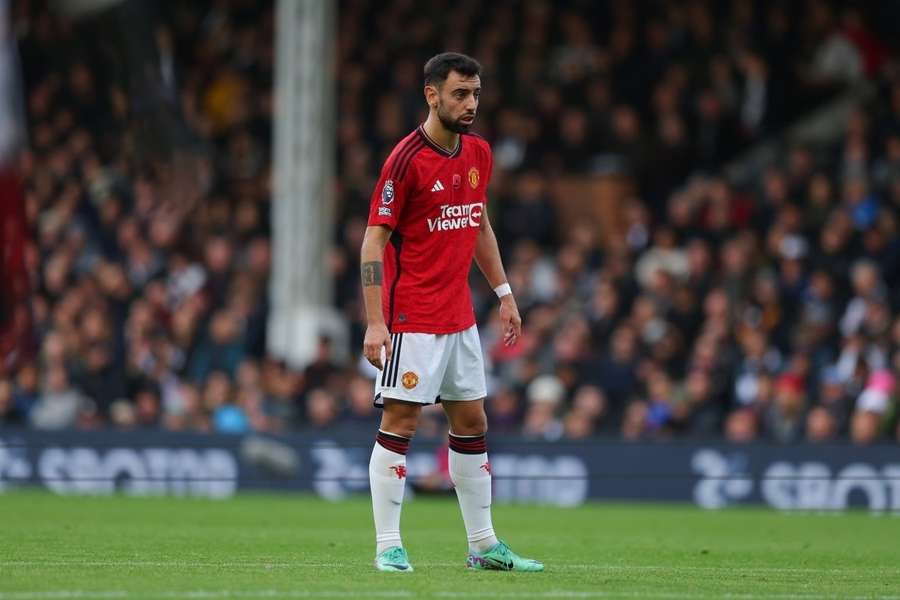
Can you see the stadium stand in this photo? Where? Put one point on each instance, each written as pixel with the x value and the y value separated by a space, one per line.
pixel 692 306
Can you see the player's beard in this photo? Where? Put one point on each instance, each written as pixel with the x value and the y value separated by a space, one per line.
pixel 451 124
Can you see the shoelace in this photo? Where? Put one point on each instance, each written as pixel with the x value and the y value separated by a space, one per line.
pixel 396 555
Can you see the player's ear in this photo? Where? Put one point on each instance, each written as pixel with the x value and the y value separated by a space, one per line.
pixel 431 95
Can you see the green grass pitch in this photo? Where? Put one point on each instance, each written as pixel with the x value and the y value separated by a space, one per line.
pixel 259 546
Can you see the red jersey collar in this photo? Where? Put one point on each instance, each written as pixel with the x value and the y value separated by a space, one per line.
pixel 437 147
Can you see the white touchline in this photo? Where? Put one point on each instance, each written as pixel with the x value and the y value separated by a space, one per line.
pixel 732 569
pixel 224 594
pixel 199 594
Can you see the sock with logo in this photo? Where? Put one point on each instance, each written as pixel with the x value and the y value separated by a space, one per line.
pixel 387 478
pixel 471 475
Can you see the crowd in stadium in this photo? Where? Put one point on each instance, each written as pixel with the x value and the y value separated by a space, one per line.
pixel 769 311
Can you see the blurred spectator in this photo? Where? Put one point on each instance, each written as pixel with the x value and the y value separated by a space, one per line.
pixel 222 351
pixel 665 412
pixel 634 422
pixel 577 425
pixel 218 399
pixel 545 396
pixel 9 412
pixel 281 389
pixel 100 380
pixel 59 405
pixel 821 425
pixel 322 370
pixel 590 402
pixel 873 407
pixel 784 418
pixel 189 414
pixel 834 399
pixel 704 411
pixel 147 407
pixel 361 409
pixel 742 426
pixel 615 373
pixel 322 409
pixel 528 214
pixel 25 391
pixel 505 411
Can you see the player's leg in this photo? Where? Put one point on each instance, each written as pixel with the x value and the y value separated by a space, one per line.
pixel 387 480
pixel 470 470
pixel 462 396
pixel 409 381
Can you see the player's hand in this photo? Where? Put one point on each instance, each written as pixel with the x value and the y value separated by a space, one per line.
pixel 510 320
pixel 376 337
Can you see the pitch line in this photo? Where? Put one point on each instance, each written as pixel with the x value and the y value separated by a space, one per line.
pixel 883 570
pixel 565 594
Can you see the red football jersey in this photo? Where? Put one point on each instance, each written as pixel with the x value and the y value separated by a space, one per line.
pixel 434 201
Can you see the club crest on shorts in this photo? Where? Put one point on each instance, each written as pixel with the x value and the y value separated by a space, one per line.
pixel 409 380
pixel 387 192
pixel 473 177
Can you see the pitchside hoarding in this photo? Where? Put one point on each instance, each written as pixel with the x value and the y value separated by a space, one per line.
pixel 711 475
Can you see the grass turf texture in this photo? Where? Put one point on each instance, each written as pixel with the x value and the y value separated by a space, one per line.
pixel 299 547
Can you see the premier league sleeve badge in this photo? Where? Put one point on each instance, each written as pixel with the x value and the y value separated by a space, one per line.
pixel 387 192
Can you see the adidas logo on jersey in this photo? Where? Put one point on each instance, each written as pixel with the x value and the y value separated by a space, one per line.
pixel 438 186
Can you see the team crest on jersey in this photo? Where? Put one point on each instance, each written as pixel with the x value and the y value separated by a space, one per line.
pixel 473 177
pixel 387 192
pixel 410 380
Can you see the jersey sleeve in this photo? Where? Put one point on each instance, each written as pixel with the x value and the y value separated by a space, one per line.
pixel 489 166
pixel 390 194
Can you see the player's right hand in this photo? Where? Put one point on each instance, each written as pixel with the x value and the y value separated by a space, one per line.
pixel 376 337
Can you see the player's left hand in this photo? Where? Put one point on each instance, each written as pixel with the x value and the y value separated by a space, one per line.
pixel 510 320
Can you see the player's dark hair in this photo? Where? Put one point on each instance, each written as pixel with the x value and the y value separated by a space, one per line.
pixel 438 68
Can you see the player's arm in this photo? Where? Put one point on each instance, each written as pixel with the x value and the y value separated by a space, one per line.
pixel 372 273
pixel 487 257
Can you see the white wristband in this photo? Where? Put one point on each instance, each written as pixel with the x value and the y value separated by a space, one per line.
pixel 503 290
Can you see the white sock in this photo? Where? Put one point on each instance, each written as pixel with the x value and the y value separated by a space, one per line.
pixel 387 479
pixel 471 474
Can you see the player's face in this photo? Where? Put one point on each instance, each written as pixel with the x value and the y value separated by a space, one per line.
pixel 457 102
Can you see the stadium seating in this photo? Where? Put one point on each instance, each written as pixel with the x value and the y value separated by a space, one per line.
pixel 684 304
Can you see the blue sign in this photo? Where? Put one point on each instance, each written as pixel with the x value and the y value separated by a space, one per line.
pixel 710 475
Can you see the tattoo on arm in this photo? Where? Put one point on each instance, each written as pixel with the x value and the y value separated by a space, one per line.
pixel 372 273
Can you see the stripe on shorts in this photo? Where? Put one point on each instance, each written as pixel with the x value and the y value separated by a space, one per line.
pixel 396 360
pixel 390 363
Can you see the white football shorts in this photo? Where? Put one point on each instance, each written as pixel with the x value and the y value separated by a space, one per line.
pixel 427 368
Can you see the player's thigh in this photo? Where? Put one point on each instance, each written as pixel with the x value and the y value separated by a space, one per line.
pixel 466 417
pixel 415 371
pixel 464 376
pixel 400 417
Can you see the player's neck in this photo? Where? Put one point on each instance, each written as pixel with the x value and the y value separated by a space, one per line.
pixel 439 134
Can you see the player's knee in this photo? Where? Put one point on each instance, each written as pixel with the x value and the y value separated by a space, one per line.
pixel 400 419
pixel 474 424
pixel 404 428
